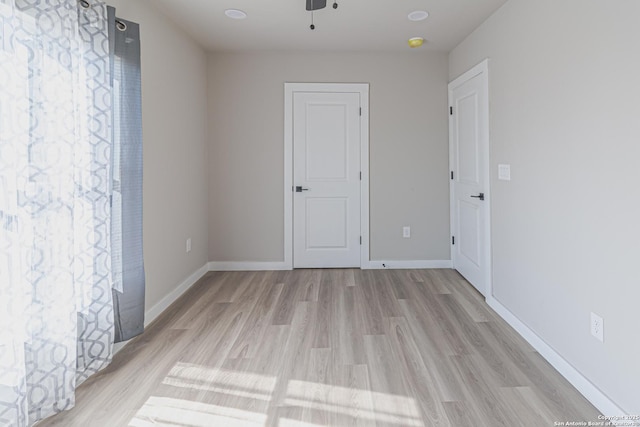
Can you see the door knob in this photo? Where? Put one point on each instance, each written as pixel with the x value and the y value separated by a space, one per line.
pixel 300 189
pixel 479 196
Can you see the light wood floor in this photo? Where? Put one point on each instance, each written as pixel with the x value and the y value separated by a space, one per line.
pixel 331 348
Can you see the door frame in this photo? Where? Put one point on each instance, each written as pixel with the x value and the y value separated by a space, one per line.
pixel 289 90
pixel 481 69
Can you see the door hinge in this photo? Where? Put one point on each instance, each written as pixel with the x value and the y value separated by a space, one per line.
pixel 360 176
pixel 451 111
pixel 361 111
pixel 451 174
pixel 360 239
pixel 453 240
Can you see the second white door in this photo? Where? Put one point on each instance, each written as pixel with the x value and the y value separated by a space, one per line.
pixel 469 146
pixel 326 179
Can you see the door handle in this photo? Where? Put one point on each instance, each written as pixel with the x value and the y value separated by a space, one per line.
pixel 479 196
pixel 300 189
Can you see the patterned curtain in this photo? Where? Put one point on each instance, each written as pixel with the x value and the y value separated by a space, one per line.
pixel 56 278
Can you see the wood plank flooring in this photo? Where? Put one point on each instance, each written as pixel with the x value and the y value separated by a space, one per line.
pixel 308 348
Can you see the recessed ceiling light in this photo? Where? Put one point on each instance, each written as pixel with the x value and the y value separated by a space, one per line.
pixel 416 41
pixel 418 15
pixel 235 14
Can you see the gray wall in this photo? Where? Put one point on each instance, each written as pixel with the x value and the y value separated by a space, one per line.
pixel 566 229
pixel 408 150
pixel 174 105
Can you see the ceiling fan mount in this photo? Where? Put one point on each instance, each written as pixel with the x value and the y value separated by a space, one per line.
pixel 316 4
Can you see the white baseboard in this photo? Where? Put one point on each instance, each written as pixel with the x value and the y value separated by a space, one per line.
pixel 165 302
pixel 571 374
pixel 118 346
pixel 418 264
pixel 247 266
pixel 371 265
pixel 155 311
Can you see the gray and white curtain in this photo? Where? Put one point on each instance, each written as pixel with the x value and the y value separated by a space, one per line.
pixel 63 246
pixel 128 293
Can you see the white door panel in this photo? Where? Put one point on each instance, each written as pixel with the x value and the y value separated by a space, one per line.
pixel 327 223
pixel 467 138
pixel 327 148
pixel 469 222
pixel 326 153
pixel 469 147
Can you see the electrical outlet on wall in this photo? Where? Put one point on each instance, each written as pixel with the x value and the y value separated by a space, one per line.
pixel 406 232
pixel 597 327
pixel 189 245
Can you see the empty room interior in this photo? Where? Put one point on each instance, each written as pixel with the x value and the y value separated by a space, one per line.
pixel 349 213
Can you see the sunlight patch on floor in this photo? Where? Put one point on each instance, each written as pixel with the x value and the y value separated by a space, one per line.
pixel 255 393
pixel 241 384
pixel 166 411
pixel 287 422
pixel 362 404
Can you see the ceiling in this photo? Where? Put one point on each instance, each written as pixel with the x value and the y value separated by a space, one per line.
pixel 357 25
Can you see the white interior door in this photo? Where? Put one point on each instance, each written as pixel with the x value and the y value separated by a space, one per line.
pixel 469 156
pixel 326 179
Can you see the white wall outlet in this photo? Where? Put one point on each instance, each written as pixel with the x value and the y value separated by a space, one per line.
pixel 597 327
pixel 504 172
pixel 189 245
pixel 406 232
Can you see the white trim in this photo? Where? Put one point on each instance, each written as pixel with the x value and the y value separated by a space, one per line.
pixel 288 176
pixel 364 168
pixel 571 374
pixel 165 302
pixel 412 265
pixel 117 347
pixel 481 68
pixel 372 265
pixel 155 311
pixel 247 266
pixel 289 90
